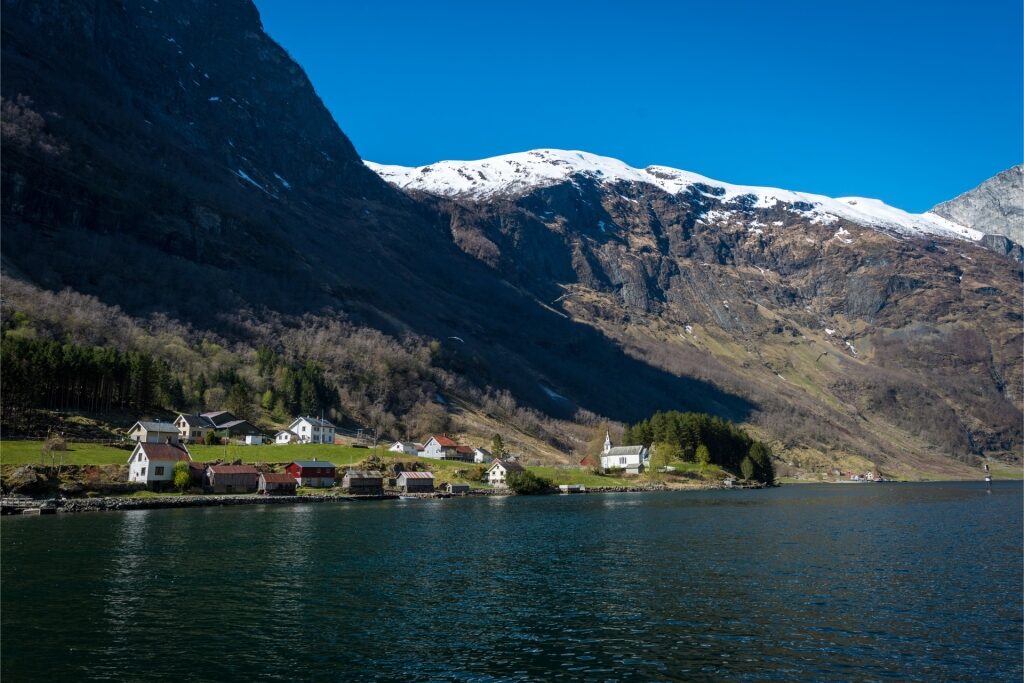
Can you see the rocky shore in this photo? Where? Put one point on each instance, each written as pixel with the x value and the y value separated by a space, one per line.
pixel 16 505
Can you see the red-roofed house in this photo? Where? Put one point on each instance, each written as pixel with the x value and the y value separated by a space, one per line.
pixel 153 463
pixel 443 448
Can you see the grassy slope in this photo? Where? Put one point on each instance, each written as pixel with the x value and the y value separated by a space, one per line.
pixel 25 452
pixel 30 452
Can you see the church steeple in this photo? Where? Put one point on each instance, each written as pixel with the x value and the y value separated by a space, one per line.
pixel 607 443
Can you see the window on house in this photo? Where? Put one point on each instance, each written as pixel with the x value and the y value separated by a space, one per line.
pixel 142 471
pixel 622 460
pixel 159 471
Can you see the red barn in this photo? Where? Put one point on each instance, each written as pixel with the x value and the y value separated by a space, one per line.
pixel 318 473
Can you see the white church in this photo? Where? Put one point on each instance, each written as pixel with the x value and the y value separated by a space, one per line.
pixel 632 459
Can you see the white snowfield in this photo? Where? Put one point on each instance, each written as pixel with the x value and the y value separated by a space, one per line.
pixel 514 174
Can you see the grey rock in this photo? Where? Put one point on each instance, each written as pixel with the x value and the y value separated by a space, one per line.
pixel 996 207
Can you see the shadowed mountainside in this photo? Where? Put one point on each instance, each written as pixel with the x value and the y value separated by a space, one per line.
pixel 171 158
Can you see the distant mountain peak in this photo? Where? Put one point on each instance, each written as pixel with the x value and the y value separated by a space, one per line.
pixel 522 172
pixel 996 207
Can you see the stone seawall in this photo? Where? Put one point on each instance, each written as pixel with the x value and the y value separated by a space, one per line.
pixel 19 505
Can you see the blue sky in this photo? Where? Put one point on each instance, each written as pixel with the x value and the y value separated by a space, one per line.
pixel 909 102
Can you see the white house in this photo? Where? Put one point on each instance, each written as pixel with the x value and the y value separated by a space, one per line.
pixel 153 432
pixel 632 459
pixel 481 455
pixel 407 447
pixel 440 448
pixel 153 463
pixel 312 430
pixel 286 436
pixel 193 428
pixel 498 472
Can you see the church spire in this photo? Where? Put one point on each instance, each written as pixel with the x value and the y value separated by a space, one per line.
pixel 607 442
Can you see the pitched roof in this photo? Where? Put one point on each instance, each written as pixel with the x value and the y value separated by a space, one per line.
pixel 363 474
pixel 164 452
pixel 236 423
pixel 464 449
pixel 197 465
pixel 233 469
pixel 444 441
pixel 508 465
pixel 286 431
pixel 416 475
pixel 625 450
pixel 196 420
pixel 216 417
pixel 315 421
pixel 314 463
pixel 156 426
pixel 278 478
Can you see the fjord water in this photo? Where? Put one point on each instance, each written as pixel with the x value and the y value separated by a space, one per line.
pixel 853 582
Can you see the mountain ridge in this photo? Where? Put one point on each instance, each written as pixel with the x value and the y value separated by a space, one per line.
pixel 521 172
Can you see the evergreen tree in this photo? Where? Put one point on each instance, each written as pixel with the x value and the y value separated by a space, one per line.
pixel 498 447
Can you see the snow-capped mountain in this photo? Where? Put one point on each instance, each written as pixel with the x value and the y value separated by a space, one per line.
pixel 514 174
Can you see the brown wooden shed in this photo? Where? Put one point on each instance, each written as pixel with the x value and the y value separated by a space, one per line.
pixel 277 484
pixel 415 482
pixel 362 482
pixel 232 478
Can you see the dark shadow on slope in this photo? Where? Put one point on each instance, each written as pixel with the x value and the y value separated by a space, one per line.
pixel 174 159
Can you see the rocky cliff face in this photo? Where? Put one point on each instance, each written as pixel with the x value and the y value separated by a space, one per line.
pixel 996 207
pixel 851 333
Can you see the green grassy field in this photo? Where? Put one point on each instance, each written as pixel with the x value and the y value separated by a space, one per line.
pixel 28 452
pixel 580 476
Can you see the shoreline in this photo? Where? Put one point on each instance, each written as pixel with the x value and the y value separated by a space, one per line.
pixel 47 506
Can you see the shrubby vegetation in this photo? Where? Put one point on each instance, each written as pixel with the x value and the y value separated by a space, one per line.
pixel 182 476
pixel 704 439
pixel 66 350
pixel 526 483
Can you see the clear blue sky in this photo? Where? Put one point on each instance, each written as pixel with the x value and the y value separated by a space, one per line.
pixel 909 102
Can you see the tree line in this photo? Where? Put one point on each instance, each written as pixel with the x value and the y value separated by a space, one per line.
pixel 699 437
pixel 38 373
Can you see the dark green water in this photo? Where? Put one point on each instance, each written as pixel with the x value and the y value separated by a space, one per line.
pixel 858 582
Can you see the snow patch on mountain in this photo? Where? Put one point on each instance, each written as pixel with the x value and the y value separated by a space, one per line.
pixel 515 174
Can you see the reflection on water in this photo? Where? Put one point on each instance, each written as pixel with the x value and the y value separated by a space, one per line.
pixel 904 582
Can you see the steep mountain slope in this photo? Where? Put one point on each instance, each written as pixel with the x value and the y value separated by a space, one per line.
pixel 855 327
pixel 996 207
pixel 171 159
